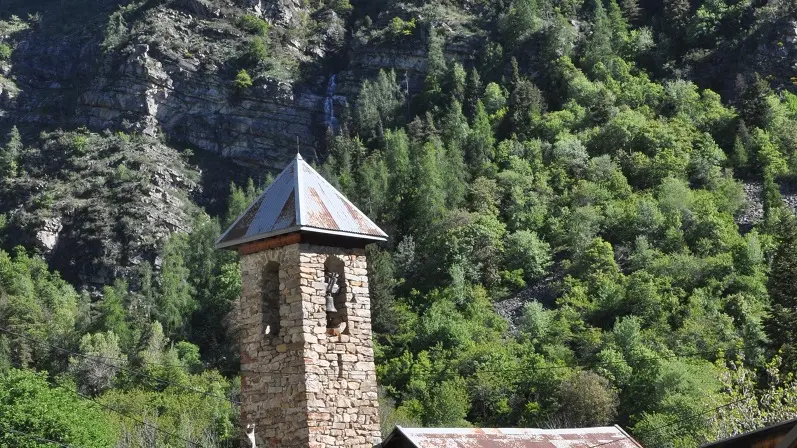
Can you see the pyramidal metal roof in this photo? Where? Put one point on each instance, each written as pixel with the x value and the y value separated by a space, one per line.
pixel 300 199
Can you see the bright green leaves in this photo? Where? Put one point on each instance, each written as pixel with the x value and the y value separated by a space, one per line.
pixel 30 404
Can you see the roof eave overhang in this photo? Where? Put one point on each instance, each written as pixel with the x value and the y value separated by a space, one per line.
pixel 262 236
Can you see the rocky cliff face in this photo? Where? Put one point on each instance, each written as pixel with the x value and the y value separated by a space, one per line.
pixel 162 72
pixel 168 73
pixel 97 206
pixel 166 68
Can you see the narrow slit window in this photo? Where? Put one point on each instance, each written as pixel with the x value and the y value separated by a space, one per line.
pixel 270 304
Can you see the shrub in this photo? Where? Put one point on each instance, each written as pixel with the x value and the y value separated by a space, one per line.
pixel 116 32
pixel 44 201
pixel 256 50
pixel 341 7
pixel 79 143
pixel 253 24
pixel 242 80
pixel 587 399
pixel 5 52
pixel 400 28
pixel 494 98
pixel 526 251
pixel 123 173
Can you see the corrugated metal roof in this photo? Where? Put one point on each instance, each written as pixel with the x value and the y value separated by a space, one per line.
pixel 300 199
pixel 609 436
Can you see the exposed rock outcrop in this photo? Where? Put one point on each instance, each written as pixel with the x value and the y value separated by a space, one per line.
pixel 163 72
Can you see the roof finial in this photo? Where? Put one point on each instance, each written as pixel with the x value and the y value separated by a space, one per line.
pixel 298 154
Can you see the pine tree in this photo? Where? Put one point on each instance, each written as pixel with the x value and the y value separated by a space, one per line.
pixel 113 313
pixel 236 204
pixel 347 153
pixel 473 91
pixel 782 286
pixel 176 300
pixel 480 141
pixel 522 20
pixel 436 64
pixel 378 105
pixel 771 200
pixel 455 133
pixel 754 106
pixel 740 155
pixel 456 82
pixel 525 101
pixel 618 25
pixel 10 153
pixel 599 43
pixel 677 14
pixel 398 159
pixel 631 10
pixel 427 193
pixel 372 186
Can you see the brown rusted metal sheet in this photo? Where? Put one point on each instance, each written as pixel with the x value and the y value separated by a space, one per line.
pixel 300 200
pixel 318 214
pixel 609 437
pixel 326 208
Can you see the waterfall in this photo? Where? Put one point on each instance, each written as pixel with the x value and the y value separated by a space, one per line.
pixel 329 105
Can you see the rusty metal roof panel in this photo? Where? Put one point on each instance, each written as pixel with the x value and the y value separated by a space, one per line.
pixel 324 207
pixel 609 436
pixel 300 199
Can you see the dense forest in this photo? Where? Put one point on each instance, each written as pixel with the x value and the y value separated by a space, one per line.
pixel 568 209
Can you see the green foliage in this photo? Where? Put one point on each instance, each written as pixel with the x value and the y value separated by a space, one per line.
pixel 30 405
pixel 754 405
pixel 10 153
pixel 524 250
pixel 494 98
pixel 754 107
pixel 586 400
pixel 342 7
pixel 94 377
pixel 378 104
pixel 576 168
pixel 522 20
pixel 5 51
pixel 599 46
pixel 400 28
pixel 176 293
pixel 242 81
pixel 254 53
pixel 116 32
pixel 448 405
pixel 622 186
pixel 36 302
pixel 253 24
pixel 436 66
pixel 781 286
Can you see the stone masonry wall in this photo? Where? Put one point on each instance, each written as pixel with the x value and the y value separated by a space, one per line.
pixel 273 394
pixel 341 376
pixel 309 385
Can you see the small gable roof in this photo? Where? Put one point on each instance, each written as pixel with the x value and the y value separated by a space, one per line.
pixel 300 199
pixel 509 438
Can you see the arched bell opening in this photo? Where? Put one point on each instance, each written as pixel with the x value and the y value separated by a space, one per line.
pixel 335 296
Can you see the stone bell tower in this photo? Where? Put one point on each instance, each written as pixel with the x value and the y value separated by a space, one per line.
pixel 304 319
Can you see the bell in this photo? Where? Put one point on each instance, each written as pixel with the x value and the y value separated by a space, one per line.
pixel 332 289
pixel 331 304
